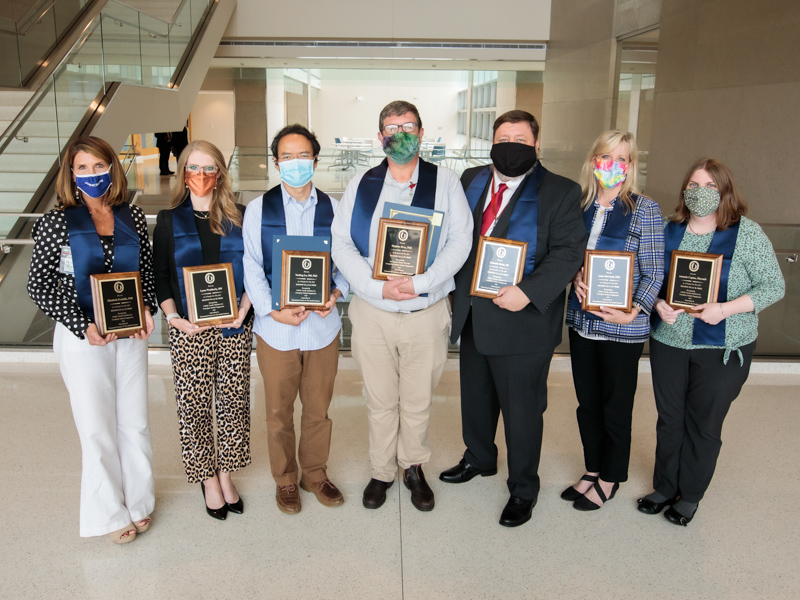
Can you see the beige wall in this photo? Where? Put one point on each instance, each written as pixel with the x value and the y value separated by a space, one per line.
pixel 391 19
pixel 212 120
pixel 578 82
pixel 580 74
pixel 728 87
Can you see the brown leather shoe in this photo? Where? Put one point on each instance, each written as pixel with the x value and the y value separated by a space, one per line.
pixel 327 493
pixel 288 498
pixel 421 493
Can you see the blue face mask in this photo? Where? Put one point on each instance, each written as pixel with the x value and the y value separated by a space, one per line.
pixel 297 172
pixel 94 186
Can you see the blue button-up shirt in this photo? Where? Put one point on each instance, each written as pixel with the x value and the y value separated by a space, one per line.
pixel 315 332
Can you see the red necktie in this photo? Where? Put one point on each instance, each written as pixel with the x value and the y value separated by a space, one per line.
pixel 491 212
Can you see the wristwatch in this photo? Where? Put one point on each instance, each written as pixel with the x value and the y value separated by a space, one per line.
pixel 171 316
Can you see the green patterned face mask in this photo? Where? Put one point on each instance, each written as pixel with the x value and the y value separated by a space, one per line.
pixel 701 201
pixel 401 147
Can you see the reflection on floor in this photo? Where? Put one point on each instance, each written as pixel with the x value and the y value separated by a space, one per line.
pixel 741 544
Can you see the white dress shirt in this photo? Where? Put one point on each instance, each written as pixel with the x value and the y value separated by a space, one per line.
pixel 455 242
pixel 315 332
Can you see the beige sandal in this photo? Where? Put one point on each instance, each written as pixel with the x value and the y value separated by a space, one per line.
pixel 124 535
pixel 143 525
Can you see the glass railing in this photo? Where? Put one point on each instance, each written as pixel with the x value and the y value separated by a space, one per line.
pixel 26 43
pixel 119 45
pixel 253 169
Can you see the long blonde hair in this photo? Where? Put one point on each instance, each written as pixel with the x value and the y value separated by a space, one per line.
pixel 223 202
pixel 606 143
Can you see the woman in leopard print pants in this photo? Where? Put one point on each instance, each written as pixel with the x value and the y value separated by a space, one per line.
pixel 210 365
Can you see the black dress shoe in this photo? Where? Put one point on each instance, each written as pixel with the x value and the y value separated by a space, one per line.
pixel 517 512
pixel 584 504
pixel 649 507
pixel 673 516
pixel 463 472
pixel 421 493
pixel 375 493
pixel 237 507
pixel 217 513
pixel 571 494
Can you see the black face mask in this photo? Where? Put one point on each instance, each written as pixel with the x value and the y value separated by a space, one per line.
pixel 513 159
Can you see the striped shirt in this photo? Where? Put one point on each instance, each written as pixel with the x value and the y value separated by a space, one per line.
pixel 645 238
pixel 315 332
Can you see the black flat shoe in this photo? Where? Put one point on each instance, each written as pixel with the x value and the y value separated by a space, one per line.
pixel 217 513
pixel 517 512
pixel 649 507
pixel 571 494
pixel 375 493
pixel 463 472
pixel 584 504
pixel 673 516
pixel 237 507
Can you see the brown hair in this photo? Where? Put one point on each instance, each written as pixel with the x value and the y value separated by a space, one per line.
pixel 517 116
pixel 606 143
pixel 66 189
pixel 223 202
pixel 731 204
pixel 397 109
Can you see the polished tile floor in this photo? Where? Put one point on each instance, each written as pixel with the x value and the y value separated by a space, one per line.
pixel 743 542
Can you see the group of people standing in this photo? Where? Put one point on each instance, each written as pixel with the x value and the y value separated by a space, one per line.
pixel 401 326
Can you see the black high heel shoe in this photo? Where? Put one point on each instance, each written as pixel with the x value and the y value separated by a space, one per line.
pixel 217 513
pixel 237 507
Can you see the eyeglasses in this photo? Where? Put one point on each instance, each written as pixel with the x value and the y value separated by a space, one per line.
pixel 406 127
pixel 302 155
pixel 194 169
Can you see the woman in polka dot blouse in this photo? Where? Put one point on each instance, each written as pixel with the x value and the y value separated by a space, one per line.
pixel 94 230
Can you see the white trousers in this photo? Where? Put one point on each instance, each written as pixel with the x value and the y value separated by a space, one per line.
pixel 108 392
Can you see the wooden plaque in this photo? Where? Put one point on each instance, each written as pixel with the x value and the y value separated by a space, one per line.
pixel 693 279
pixel 609 275
pixel 401 249
pixel 210 294
pixel 305 279
pixel 498 263
pixel 118 303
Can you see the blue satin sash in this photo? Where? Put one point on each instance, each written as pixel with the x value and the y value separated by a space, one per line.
pixel 369 191
pixel 87 250
pixel 613 237
pixel 723 242
pixel 523 225
pixel 273 222
pixel 189 253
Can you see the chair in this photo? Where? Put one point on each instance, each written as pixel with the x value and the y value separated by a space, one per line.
pixel 438 153
pixel 338 155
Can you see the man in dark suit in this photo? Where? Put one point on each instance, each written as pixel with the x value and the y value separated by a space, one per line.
pixel 507 342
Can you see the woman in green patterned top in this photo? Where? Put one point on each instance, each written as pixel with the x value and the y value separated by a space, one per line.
pixel 695 376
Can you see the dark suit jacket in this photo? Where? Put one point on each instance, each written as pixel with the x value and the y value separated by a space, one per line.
pixel 560 243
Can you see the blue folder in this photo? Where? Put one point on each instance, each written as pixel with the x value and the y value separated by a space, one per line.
pixel 392 210
pixel 308 243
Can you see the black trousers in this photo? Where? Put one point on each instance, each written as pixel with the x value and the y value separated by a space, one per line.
pixel 693 391
pixel 515 385
pixel 605 375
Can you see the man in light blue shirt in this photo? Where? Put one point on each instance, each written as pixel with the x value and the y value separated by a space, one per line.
pixel 400 326
pixel 297 348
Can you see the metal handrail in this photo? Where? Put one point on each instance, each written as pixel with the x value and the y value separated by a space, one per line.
pixel 15 125
pixel 33 20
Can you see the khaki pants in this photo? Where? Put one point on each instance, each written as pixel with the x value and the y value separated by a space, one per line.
pixel 312 374
pixel 401 357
